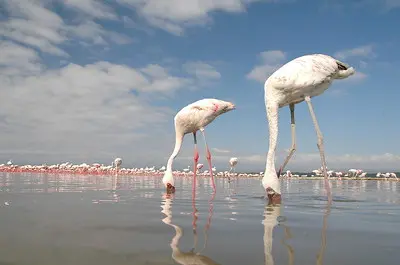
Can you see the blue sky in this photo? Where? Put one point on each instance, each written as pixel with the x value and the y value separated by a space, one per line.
pixel 87 81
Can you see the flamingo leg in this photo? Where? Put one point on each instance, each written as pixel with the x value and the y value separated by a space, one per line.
pixel 209 159
pixel 320 145
pixel 196 160
pixel 293 147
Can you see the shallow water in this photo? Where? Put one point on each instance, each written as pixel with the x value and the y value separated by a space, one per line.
pixel 50 219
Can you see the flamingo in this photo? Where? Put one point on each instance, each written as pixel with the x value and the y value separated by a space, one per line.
pixel 117 163
pixel 233 162
pixel 297 81
pixel 195 116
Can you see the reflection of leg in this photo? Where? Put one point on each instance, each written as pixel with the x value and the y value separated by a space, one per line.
pixel 320 145
pixel 320 255
pixel 293 147
pixel 288 235
pixel 208 159
pixel 196 160
pixel 194 223
pixel 207 227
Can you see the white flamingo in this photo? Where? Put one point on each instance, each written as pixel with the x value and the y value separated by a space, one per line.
pixel 233 162
pixel 297 81
pixel 117 163
pixel 190 119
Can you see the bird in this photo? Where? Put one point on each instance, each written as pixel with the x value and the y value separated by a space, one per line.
pixel 296 81
pixel 233 162
pixel 117 163
pixel 190 119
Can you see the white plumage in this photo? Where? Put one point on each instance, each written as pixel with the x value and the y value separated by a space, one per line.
pixel 296 81
pixel 195 116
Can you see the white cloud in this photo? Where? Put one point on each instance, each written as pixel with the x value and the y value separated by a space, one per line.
pixel 217 150
pixel 32 22
pixel 92 7
pixel 359 52
pixel 306 162
pixel 202 70
pixel 80 112
pixel 174 15
pixel 270 62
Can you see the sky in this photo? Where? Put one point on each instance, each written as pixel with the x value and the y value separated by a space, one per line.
pixel 88 81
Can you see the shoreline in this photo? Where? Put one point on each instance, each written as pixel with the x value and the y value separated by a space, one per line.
pixel 160 174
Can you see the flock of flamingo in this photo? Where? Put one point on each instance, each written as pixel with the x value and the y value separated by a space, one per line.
pixel 115 168
pixel 296 81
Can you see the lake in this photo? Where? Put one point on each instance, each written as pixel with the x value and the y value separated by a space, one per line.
pixel 71 219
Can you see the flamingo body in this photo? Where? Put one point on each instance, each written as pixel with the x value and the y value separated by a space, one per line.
pixel 296 81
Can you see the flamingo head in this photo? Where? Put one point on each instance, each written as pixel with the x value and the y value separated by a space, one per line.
pixel 170 188
pixel 273 197
pixel 272 187
pixel 222 106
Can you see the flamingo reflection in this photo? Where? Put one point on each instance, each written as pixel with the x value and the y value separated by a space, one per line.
pixel 191 257
pixel 320 256
pixel 271 214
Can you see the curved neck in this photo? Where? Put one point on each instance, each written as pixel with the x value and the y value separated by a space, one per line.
pixel 272 116
pixel 177 148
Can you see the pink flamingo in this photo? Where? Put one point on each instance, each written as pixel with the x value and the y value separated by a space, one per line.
pixel 190 119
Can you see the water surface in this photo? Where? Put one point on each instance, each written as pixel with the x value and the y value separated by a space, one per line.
pixel 64 219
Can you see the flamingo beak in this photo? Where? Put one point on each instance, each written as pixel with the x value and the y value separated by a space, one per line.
pixel 170 189
pixel 273 197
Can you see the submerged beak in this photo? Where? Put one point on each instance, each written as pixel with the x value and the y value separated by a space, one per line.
pixel 170 189
pixel 273 197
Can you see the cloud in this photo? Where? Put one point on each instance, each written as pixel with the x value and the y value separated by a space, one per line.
pixel 92 8
pixel 202 70
pixel 217 150
pixel 79 112
pixel 270 62
pixel 359 52
pixel 174 16
pixel 306 162
pixel 31 22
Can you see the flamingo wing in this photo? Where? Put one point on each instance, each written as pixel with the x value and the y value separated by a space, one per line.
pixel 305 71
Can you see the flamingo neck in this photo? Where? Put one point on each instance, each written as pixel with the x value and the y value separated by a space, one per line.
pixel 177 148
pixel 272 116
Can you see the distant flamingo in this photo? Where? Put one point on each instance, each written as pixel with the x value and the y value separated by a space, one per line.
pixel 199 166
pixel 296 81
pixel 233 162
pixel 190 119
pixel 117 163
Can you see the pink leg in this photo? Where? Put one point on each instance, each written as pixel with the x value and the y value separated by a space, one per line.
pixel 209 160
pixel 196 160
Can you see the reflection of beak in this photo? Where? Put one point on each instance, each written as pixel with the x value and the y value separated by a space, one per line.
pixel 170 189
